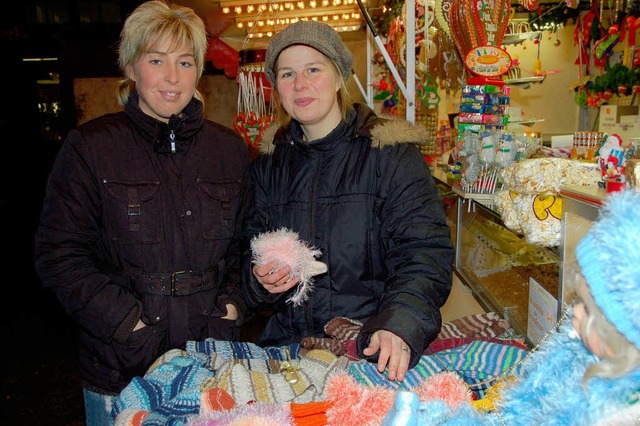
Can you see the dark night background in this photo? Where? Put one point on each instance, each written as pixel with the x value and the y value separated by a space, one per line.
pixel 40 385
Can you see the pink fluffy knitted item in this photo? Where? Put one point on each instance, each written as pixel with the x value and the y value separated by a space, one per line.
pixel 256 414
pixel 284 247
pixel 447 386
pixel 355 404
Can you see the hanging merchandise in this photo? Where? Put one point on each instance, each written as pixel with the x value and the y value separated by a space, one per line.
pixel 446 67
pixel 443 8
pixel 488 61
pixel 478 28
pixel 530 4
pixel 427 114
pixel 426 87
pixel 604 47
pixel 436 53
pixel 632 24
pixel 427 93
pixel 254 91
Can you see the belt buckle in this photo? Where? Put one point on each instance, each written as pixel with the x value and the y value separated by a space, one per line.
pixel 174 279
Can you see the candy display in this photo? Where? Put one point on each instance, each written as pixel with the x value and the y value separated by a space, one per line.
pixel 485 153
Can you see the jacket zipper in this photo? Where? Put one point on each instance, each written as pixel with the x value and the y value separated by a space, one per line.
pixel 312 205
pixel 172 140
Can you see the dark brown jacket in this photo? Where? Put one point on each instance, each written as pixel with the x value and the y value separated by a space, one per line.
pixel 131 230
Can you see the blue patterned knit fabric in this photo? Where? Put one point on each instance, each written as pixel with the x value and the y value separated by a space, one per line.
pixel 171 392
pixel 213 353
pixel 475 362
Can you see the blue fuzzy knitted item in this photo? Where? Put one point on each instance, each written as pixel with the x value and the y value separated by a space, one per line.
pixel 549 392
pixel 609 256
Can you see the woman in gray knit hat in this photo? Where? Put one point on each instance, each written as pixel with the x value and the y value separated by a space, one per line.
pixel 355 187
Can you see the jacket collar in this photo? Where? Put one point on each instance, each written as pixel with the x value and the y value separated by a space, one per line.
pixel 184 126
pixel 364 122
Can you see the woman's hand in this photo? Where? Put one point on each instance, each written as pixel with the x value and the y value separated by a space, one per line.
pixel 139 325
pixel 394 352
pixel 274 277
pixel 232 312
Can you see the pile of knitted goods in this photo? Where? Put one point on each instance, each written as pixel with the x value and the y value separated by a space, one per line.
pixel 320 381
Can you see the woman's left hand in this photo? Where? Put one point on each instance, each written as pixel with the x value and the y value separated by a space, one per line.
pixel 394 352
pixel 232 312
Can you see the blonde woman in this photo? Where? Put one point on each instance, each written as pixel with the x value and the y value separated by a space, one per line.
pixel 136 235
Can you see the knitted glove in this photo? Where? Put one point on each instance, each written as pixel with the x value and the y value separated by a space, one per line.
pixel 332 345
pixel 340 329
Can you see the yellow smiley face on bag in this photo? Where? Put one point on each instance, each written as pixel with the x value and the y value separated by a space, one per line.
pixel 545 205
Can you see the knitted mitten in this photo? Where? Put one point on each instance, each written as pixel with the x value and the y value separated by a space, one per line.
pixel 343 328
pixel 488 325
pixel 327 343
pixel 340 330
pixel 159 393
pixel 284 247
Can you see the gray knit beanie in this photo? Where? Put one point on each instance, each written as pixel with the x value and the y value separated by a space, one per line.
pixel 318 35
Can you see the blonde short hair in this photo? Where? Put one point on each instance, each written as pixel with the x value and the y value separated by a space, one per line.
pixel 151 24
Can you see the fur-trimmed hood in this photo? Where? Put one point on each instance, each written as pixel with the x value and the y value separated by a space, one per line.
pixel 382 131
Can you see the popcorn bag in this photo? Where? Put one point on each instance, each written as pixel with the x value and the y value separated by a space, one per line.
pixel 547 175
pixel 537 217
pixel 530 203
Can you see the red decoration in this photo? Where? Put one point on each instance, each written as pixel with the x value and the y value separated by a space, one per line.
pixel 632 27
pixel 223 56
pixel 251 126
pixel 220 53
pixel 216 22
pixel 530 4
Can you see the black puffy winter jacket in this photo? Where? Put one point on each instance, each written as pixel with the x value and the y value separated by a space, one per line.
pixel 364 196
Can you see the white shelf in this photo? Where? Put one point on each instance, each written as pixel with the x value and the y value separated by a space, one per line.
pixel 526 122
pixel 520 37
pixel 524 80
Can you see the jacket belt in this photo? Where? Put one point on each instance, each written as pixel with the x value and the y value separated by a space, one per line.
pixel 180 283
